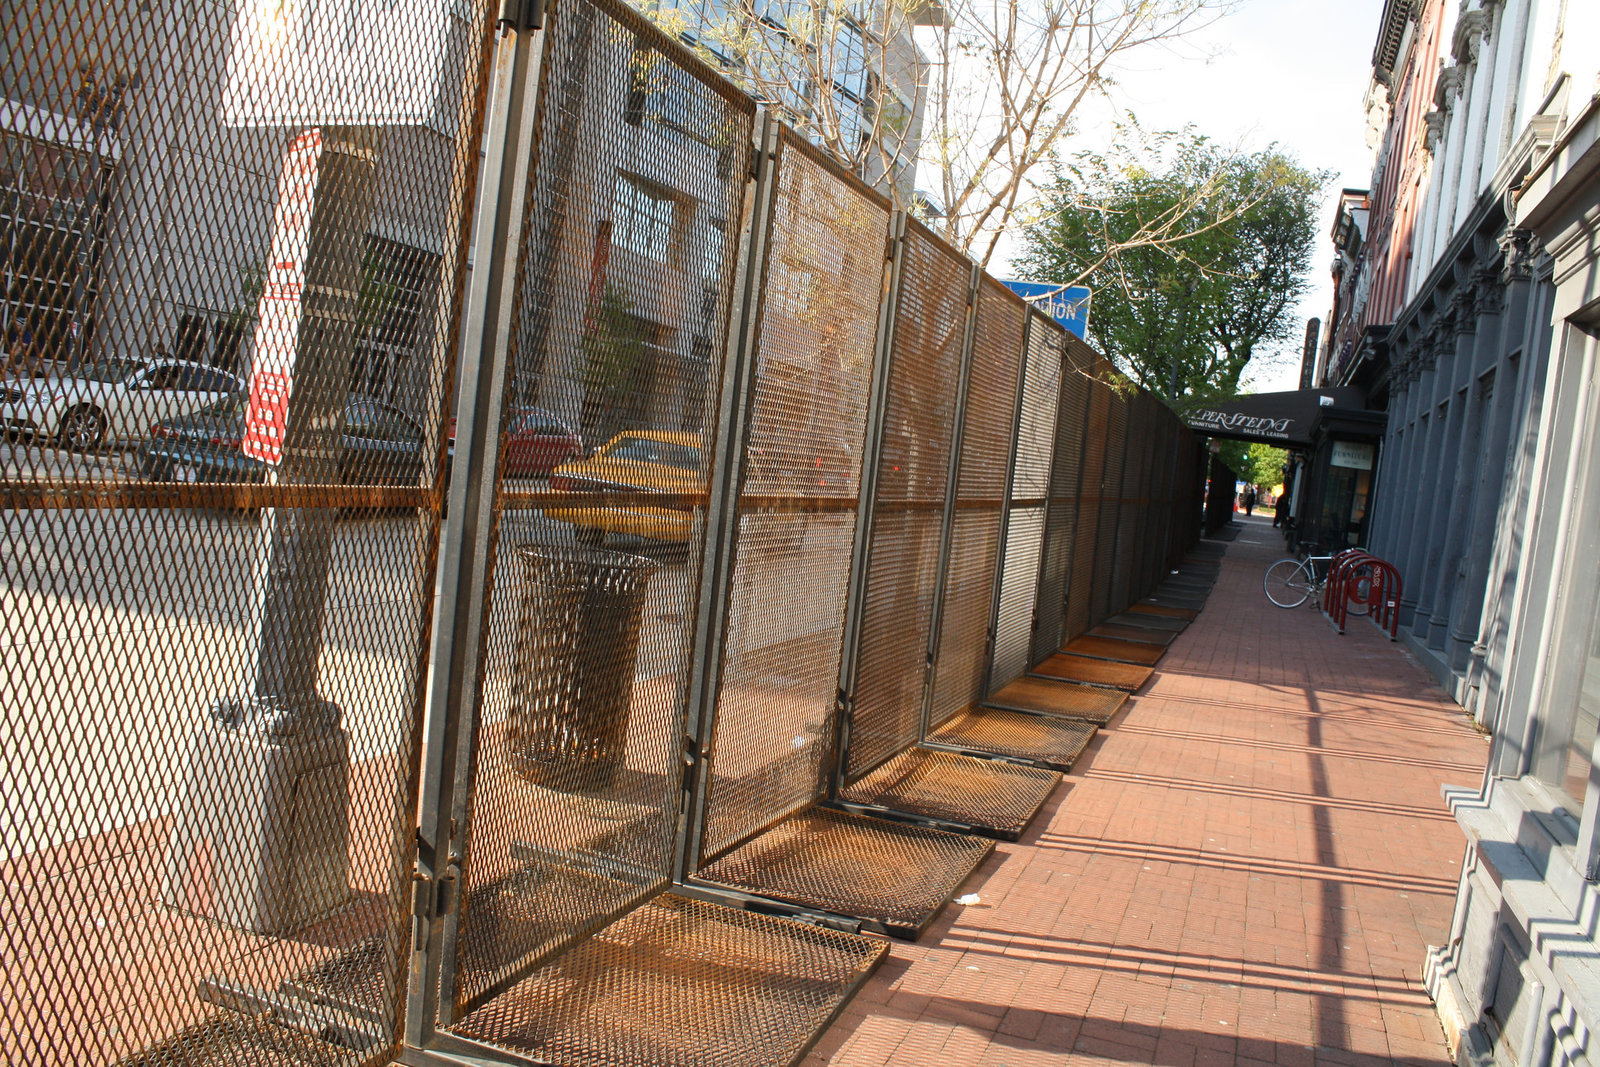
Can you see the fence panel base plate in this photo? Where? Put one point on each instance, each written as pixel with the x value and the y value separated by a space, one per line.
pixel 893 877
pixel 977 795
pixel 1042 696
pixel 1064 667
pixel 682 981
pixel 1042 740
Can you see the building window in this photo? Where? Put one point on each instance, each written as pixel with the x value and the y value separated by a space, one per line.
pixel 850 61
pixel 397 286
pixel 52 227
pixel 644 219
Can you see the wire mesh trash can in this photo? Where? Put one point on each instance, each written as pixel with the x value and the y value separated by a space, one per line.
pixel 577 639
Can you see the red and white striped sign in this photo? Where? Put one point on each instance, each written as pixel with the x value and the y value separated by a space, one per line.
pixel 278 314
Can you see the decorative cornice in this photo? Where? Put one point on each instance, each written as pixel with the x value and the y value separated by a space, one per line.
pixel 1434 122
pixel 1447 88
pixel 1488 290
pixel 1472 28
pixel 1520 248
pixel 1463 311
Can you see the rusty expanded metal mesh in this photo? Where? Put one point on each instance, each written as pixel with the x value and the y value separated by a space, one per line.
pixel 1088 550
pixel 988 424
pixel 1064 510
pixel 681 982
pixel 1029 597
pixel 1110 648
pixel 912 475
pixel 893 876
pixel 1088 670
pixel 1045 697
pixel 636 204
pixel 1122 632
pixel 1046 740
pixel 988 796
pixel 1127 572
pixel 773 742
pixel 1106 562
pixel 231 297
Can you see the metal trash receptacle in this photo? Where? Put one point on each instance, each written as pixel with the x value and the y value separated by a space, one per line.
pixel 577 640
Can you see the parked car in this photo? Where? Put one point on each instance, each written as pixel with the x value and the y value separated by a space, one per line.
pixel 651 461
pixel 536 443
pixel 112 400
pixel 382 445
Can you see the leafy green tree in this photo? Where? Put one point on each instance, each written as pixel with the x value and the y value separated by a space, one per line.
pixel 1264 464
pixel 1185 315
pixel 614 351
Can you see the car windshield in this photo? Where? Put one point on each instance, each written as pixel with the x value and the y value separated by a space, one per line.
pixel 231 406
pixel 644 450
pixel 111 370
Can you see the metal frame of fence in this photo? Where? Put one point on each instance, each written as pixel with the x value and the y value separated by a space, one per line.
pixel 572 833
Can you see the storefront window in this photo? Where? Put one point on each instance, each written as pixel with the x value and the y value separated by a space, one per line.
pixel 1570 709
pixel 1571 763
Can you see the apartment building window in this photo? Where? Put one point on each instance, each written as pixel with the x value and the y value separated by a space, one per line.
pixel 850 61
pixel 397 285
pixel 644 219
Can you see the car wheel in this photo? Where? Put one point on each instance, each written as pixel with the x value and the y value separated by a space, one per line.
pixel 83 429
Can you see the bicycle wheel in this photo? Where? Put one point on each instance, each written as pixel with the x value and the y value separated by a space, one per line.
pixel 1288 583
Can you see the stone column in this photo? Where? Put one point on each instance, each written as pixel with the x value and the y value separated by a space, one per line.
pixel 1465 460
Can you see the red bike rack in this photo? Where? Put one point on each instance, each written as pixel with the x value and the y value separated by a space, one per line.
pixel 1382 593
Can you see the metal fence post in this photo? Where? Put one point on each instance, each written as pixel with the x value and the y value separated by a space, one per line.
pixel 458 645
pixel 861 553
pixel 722 525
pixel 947 522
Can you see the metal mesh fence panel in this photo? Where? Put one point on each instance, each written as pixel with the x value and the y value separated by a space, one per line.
pixel 986 442
pixel 1064 507
pixel 635 209
pixel 1025 593
pixel 1130 512
pixel 797 509
pixel 229 308
pixel 1086 554
pixel 1105 549
pixel 912 476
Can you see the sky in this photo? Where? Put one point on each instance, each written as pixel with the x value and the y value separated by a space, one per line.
pixel 1292 72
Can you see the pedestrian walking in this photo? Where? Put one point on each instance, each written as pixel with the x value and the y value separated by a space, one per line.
pixel 1249 499
pixel 1280 511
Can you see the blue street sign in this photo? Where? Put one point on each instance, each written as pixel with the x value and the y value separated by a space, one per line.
pixel 1067 304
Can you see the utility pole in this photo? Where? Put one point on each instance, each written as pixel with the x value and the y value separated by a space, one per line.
pixel 267 786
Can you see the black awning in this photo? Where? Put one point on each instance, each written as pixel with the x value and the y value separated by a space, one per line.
pixel 1285 419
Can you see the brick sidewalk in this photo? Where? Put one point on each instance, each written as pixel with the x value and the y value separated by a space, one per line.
pixel 1244 867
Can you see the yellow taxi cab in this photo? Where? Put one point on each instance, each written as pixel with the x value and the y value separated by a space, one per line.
pixel 635 462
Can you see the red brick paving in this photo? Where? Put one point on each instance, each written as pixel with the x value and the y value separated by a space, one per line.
pixel 1244 868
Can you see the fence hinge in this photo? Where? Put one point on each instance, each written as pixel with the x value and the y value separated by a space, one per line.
pixel 520 16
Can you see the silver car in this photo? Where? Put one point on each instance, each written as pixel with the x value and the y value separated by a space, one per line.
pixel 118 399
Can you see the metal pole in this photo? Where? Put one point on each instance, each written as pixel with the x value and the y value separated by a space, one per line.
pixel 277 760
pixel 861 552
pixel 722 522
pixel 947 521
pixel 465 550
pixel 1030 324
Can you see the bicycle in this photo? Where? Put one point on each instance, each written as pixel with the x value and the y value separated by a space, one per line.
pixel 1290 582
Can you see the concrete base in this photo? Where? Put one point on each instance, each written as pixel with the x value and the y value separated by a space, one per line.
pixel 261 838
